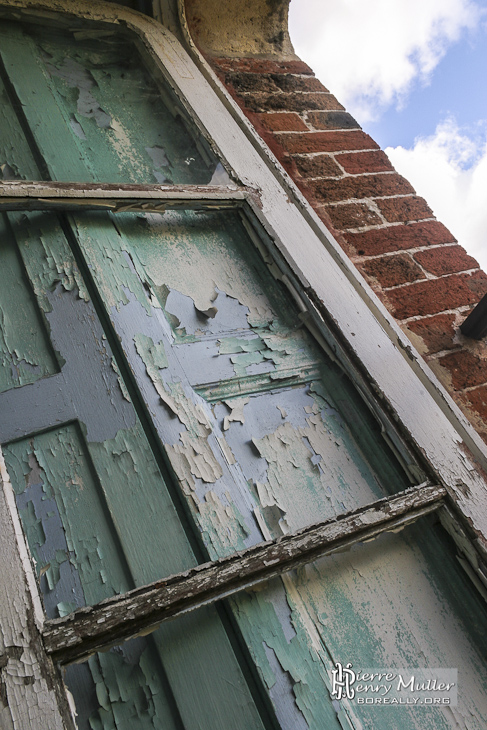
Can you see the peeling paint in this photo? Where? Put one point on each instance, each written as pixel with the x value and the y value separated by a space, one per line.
pixel 16 161
pixel 214 257
pixel 303 451
pixel 236 406
pixel 286 441
pixel 152 354
pixel 263 463
pixel 282 651
pixel 194 458
pixel 57 468
pixel 25 351
pixel 46 257
pixel 373 584
pixel 64 516
pixel 80 78
pixel 138 134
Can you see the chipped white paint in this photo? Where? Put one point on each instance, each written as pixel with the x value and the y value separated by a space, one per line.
pixel 32 687
pixel 236 406
pixel 20 195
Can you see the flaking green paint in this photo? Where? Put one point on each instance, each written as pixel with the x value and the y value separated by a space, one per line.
pixel 306 663
pixel 46 256
pixel 153 355
pixel 66 475
pixel 314 470
pixel 25 352
pixel 216 256
pixel 16 161
pixel 288 351
pixel 114 267
pixel 232 345
pixel 121 125
pixel 127 497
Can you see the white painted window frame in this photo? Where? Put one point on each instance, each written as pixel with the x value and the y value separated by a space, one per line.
pixel 335 298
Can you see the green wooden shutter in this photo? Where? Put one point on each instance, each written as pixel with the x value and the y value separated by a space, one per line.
pixel 177 334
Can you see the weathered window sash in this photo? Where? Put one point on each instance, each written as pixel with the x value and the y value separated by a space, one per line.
pixel 74 638
pixel 119 198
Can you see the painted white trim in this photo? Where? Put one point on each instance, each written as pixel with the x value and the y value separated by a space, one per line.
pixel 20 195
pixel 398 373
pixel 32 685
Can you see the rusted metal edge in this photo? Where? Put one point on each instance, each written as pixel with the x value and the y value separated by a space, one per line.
pixel 77 636
pixel 119 198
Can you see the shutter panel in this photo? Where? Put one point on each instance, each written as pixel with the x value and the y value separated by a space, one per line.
pixel 262 432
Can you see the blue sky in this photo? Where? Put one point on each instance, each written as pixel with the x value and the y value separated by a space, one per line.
pixel 457 87
pixel 414 74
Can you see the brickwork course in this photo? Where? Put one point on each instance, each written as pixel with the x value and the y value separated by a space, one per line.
pixel 423 276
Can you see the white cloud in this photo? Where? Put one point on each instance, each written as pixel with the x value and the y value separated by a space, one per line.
pixel 449 169
pixel 370 52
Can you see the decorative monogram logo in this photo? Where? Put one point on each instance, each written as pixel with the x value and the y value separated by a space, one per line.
pixel 342 679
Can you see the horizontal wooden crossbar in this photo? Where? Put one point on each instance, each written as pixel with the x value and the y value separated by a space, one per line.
pixel 118 198
pixel 77 636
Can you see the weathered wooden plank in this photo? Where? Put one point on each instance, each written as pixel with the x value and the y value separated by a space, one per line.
pixel 25 351
pixel 31 695
pixel 119 198
pixel 75 637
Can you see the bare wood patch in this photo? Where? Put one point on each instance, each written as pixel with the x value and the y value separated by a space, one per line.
pixel 94 628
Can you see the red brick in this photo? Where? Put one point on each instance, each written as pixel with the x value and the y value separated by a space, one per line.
pixel 292 102
pixel 436 332
pixel 317 166
pixel 437 295
pixel 283 122
pixel 446 260
pixel 242 82
pixel 392 270
pixel 259 82
pixel 261 65
pixel 362 186
pixel 332 120
pixel 402 210
pixel 398 238
pixel 359 162
pixel 352 215
pixel 327 142
pixel 291 83
pixel 465 368
pixel 477 398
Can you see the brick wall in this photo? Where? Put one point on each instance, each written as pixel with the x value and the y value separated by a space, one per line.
pixel 414 264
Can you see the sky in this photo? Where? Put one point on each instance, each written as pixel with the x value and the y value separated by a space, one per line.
pixel 414 75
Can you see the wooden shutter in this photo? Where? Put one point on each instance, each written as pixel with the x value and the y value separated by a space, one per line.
pixel 147 330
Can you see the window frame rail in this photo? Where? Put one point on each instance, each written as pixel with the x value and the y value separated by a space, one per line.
pixel 19 195
pixel 75 637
